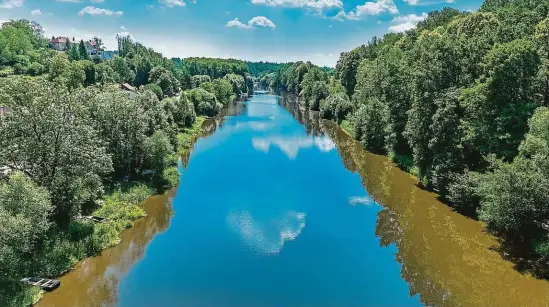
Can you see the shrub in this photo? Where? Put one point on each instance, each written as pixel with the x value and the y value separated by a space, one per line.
pixel 156 89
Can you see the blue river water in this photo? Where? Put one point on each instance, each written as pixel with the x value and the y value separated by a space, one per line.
pixel 267 215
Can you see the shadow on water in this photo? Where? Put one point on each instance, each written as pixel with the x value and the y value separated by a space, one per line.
pixel 447 259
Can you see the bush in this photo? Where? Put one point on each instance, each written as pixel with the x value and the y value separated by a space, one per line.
pixel 205 103
pixel 371 125
pixel 155 88
pixel 336 107
pixel 36 69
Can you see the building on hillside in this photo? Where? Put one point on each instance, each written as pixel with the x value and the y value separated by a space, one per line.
pixel 60 43
pixel 107 54
pixel 91 48
pixel 127 87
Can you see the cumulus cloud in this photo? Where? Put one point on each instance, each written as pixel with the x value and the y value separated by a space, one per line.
pixel 92 10
pixel 407 22
pixel 369 9
pixel 174 3
pixel 36 12
pixel 424 2
pixel 10 4
pixel 256 22
pixel 313 5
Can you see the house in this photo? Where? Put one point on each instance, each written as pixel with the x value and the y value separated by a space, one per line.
pixel 59 43
pixel 107 54
pixel 92 48
pixel 127 87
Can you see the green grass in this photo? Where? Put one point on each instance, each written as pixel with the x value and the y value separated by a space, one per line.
pixel 348 126
pixel 187 136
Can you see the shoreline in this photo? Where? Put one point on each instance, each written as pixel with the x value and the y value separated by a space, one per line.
pixel 187 137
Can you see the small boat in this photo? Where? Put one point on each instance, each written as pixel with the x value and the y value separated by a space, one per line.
pixel 93 218
pixel 43 283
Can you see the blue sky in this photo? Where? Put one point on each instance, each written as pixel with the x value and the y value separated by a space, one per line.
pixel 267 30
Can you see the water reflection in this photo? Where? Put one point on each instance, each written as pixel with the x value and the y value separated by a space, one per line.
pixel 448 259
pixel 94 281
pixel 268 236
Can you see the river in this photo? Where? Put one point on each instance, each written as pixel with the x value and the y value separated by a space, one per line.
pixel 279 208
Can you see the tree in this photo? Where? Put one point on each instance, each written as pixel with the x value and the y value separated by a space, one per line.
pixel 346 69
pixel 122 124
pixel 61 151
pixel 83 52
pixel 336 107
pixel 205 103
pixel 542 40
pixel 371 125
pixel 74 54
pixel 498 107
pixel 25 209
pixel 199 79
pixel 445 142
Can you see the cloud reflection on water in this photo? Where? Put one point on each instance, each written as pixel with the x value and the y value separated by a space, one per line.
pixel 269 236
pixel 291 145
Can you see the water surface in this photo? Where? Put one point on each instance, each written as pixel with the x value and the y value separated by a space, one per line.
pixel 271 212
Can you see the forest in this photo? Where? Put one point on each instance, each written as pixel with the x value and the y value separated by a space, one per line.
pixel 461 102
pixel 74 145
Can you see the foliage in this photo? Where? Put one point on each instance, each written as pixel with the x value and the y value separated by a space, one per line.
pixel 205 103
pixel 336 107
pixel 257 69
pixel 371 125
pixel 61 151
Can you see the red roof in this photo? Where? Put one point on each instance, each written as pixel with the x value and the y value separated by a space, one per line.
pixel 59 40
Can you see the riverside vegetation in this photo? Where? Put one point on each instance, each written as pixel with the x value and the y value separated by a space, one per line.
pixel 73 144
pixel 461 101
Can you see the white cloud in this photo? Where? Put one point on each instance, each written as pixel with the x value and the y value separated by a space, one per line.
pixel 36 12
pixel 407 22
pixel 92 10
pixel 97 1
pixel 423 2
pixel 10 4
pixel 174 3
pixel 316 5
pixel 256 22
pixel 369 9
pixel 123 28
pixel 72 1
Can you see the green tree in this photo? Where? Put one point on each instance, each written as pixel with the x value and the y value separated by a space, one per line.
pixel 61 151
pixel 371 125
pixel 336 107
pixel 82 51
pixel 25 209
pixel 497 107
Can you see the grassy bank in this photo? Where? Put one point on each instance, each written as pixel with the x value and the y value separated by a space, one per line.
pixel 187 136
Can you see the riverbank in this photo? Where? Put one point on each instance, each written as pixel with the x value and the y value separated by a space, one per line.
pixel 121 207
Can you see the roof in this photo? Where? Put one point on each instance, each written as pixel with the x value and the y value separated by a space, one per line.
pixel 127 87
pixel 60 40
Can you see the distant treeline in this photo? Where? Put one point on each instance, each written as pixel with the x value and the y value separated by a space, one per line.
pixel 461 101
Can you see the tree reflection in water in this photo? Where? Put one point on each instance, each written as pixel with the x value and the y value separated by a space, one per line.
pixel 447 258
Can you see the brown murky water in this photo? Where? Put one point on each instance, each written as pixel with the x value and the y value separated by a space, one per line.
pixel 447 258
pixel 94 281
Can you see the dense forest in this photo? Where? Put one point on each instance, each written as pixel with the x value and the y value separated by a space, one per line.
pixel 74 145
pixel 461 101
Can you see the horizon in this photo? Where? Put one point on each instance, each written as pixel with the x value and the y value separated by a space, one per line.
pixel 277 31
